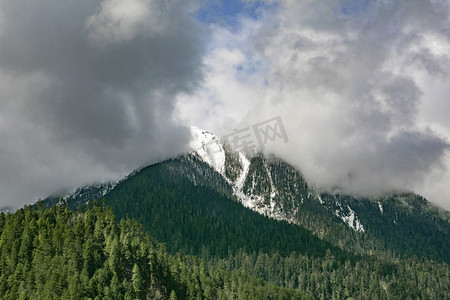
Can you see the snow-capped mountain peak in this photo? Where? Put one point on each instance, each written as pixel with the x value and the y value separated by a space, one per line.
pixel 212 151
pixel 209 148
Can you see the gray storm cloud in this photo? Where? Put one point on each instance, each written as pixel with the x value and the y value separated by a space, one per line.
pixel 350 80
pixel 87 89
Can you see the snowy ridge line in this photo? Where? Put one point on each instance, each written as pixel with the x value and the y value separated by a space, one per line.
pixel 80 192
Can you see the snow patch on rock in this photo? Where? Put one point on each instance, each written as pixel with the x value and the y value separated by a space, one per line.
pixel 380 206
pixel 350 219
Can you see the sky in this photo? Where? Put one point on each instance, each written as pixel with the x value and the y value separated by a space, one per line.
pixel 91 90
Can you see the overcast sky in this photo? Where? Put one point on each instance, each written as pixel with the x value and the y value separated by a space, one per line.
pixel 90 90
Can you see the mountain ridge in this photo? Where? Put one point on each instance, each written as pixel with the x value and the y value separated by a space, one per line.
pixel 273 188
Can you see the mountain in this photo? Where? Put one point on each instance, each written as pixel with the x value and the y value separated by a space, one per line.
pixel 393 225
pixel 259 216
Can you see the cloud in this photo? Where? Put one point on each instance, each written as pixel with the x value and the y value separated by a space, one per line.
pixel 351 83
pixel 93 89
pixel 87 89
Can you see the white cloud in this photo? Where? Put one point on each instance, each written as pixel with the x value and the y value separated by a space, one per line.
pixel 231 87
pixel 350 85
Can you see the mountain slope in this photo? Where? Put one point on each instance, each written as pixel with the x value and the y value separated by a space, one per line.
pixel 402 224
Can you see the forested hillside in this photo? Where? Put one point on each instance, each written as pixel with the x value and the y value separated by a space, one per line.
pixel 61 254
